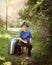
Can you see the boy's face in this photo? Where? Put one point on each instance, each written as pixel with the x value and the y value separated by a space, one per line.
pixel 24 28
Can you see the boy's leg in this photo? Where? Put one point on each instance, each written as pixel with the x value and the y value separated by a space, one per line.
pixel 20 44
pixel 29 49
pixel 29 46
pixel 22 49
pixel 19 49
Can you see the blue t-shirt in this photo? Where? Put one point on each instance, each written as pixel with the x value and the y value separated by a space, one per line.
pixel 25 35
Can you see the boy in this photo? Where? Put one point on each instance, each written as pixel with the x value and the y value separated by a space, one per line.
pixel 25 39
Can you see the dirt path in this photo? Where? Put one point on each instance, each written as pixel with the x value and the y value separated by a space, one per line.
pixel 19 60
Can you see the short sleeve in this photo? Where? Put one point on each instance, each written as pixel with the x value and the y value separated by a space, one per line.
pixel 30 35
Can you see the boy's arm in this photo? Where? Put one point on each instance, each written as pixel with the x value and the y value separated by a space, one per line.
pixel 22 40
pixel 30 40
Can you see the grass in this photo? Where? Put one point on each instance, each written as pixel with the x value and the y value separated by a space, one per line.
pixel 5 58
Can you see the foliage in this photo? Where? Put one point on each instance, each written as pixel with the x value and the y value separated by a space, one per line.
pixel 14 24
pixel 37 15
pixel 39 12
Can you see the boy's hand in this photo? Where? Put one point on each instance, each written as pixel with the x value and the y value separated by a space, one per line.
pixel 25 41
pixel 22 40
pixel 30 40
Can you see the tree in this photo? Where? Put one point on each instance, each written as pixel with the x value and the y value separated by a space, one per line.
pixel 7 2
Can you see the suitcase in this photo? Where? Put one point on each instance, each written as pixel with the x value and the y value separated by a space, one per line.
pixel 13 46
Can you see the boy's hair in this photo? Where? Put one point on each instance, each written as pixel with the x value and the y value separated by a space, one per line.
pixel 25 23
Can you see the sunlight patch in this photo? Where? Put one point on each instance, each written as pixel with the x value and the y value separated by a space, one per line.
pixel 0 35
pixel 2 58
pixel 7 63
pixel 5 36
